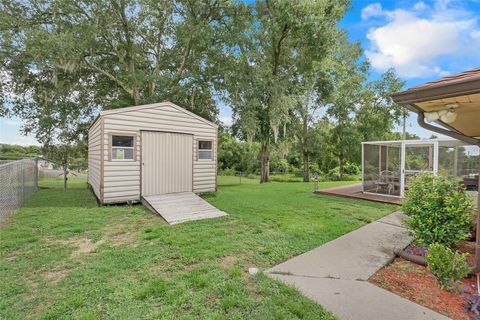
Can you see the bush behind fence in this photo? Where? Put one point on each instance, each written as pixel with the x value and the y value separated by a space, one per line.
pixel 277 176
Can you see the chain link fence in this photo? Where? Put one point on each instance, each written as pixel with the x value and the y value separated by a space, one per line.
pixel 18 180
pixel 230 177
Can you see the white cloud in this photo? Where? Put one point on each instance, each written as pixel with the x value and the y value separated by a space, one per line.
pixel 372 10
pixel 475 35
pixel 412 41
pixel 420 6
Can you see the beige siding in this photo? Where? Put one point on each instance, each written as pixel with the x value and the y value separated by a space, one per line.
pixel 164 118
pixel 94 157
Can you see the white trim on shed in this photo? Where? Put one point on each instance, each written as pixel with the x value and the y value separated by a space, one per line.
pixel 120 179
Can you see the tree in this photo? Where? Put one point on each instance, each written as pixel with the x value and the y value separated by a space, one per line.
pixel 135 51
pixel 63 154
pixel 321 158
pixel 260 92
pixel 235 155
pixel 349 76
pixel 305 110
pixel 378 113
pixel 51 112
pixel 312 87
pixel 66 60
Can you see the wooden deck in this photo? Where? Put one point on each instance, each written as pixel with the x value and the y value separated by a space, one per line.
pixel 355 191
pixel 180 207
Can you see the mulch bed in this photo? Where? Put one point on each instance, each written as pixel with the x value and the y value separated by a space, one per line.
pixel 416 283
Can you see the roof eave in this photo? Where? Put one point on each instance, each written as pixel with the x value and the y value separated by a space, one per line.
pixel 440 91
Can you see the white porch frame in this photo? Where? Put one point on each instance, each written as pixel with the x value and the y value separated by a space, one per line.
pixel 434 144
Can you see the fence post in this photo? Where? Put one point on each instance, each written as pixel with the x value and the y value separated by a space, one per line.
pixel 23 179
pixel 35 173
pixel 315 182
pixel 241 173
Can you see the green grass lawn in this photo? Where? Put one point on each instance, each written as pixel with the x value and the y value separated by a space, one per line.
pixel 62 256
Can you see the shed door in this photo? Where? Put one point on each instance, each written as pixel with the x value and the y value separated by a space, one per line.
pixel 166 162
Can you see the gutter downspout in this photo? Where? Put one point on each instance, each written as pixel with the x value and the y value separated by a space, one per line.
pixel 470 140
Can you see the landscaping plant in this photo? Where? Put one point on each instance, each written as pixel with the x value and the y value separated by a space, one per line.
pixel 439 210
pixel 447 265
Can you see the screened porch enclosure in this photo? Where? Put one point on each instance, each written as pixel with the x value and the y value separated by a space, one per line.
pixel 388 166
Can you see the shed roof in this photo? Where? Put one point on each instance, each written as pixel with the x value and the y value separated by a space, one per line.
pixel 152 105
pixel 158 104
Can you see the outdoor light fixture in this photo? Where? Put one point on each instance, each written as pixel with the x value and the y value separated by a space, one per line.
pixel 446 115
pixel 432 116
pixel 449 117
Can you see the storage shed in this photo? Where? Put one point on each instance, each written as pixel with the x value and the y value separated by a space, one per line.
pixel 150 150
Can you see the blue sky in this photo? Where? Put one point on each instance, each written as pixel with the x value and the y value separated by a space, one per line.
pixel 422 40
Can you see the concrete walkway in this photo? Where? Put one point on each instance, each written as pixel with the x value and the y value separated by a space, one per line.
pixel 335 274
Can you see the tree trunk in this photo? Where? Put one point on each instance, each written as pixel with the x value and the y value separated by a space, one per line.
pixel 136 96
pixel 306 172
pixel 340 168
pixel 306 176
pixel 265 163
pixel 65 172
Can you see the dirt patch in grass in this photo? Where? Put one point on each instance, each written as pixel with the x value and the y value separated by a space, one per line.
pixel 228 261
pixel 33 286
pixel 416 283
pixel 118 236
pixel 159 270
pixel 11 256
pixel 31 295
pixel 83 245
pixel 189 266
pixel 123 232
pixel 126 238
pixel 56 275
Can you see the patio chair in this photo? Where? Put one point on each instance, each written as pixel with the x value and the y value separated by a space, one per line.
pixel 387 182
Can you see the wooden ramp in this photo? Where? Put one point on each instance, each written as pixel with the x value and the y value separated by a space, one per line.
pixel 180 207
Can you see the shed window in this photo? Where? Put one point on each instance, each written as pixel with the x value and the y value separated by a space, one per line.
pixel 205 150
pixel 122 148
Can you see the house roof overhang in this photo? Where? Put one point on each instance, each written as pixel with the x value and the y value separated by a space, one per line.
pixel 462 89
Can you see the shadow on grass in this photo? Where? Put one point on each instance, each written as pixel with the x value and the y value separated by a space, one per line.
pixel 229 185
